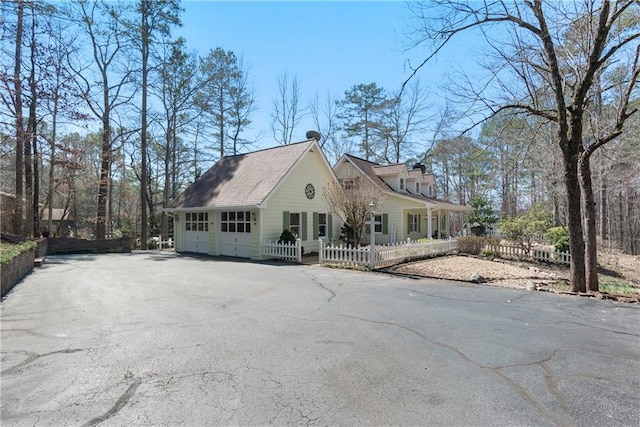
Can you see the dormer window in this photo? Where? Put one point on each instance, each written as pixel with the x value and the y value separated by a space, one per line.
pixel 417 188
pixel 401 184
pixel 430 191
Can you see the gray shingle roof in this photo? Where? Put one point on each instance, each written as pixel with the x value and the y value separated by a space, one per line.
pixel 242 180
pixel 369 168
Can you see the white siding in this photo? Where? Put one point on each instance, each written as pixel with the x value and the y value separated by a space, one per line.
pixel 290 197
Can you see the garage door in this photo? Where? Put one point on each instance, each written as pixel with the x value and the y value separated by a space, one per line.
pixel 196 232
pixel 235 234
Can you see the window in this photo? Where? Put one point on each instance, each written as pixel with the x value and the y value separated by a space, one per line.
pixel 377 221
pixel 235 222
pixel 322 225
pixel 294 223
pixel 430 190
pixel 417 188
pixel 414 223
pixel 401 184
pixel 196 221
pixel 348 183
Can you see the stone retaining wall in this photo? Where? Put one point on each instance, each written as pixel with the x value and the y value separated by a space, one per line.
pixel 74 246
pixel 15 270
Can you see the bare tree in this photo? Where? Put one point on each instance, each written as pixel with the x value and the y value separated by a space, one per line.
pixel 101 23
pixel 325 118
pixel 286 113
pixel 551 85
pixel 404 117
pixel 353 200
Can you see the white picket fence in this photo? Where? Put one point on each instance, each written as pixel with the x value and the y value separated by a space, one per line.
pixel 286 251
pixel 546 255
pixel 384 255
pixel 167 243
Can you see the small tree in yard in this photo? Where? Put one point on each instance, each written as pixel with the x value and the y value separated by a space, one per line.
pixel 481 213
pixel 522 229
pixel 353 201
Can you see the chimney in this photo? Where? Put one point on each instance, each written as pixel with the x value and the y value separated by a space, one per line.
pixel 420 166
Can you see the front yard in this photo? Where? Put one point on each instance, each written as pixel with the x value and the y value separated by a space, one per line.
pixel 620 274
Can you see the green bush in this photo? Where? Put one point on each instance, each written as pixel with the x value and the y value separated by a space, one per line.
pixel 347 235
pixel 152 244
pixel 559 237
pixel 287 237
pixel 522 229
pixel 9 251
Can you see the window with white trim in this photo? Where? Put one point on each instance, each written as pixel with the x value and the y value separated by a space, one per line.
pixel 196 221
pixel 322 225
pixel 417 188
pixel 235 222
pixel 401 184
pixel 430 190
pixel 377 224
pixel 414 223
pixel 294 223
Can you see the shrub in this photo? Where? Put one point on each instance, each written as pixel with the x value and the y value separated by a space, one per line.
pixel 152 244
pixel 522 229
pixel 470 244
pixel 287 237
pixel 8 251
pixel 347 235
pixel 559 237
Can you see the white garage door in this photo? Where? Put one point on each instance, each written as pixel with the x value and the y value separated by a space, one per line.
pixel 235 234
pixel 196 232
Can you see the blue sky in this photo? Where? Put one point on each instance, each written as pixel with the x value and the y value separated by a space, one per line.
pixel 328 45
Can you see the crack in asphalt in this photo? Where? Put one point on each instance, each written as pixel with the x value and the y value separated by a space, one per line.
pixel 514 299
pixel 563 418
pixel 317 281
pixel 613 331
pixel 120 403
pixel 35 356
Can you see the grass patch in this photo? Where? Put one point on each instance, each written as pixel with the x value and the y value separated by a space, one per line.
pixel 9 251
pixel 616 286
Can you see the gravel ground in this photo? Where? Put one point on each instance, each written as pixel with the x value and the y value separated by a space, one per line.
pixel 514 274
pixel 463 267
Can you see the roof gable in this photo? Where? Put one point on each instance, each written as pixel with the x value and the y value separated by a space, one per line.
pixel 242 180
pixel 369 169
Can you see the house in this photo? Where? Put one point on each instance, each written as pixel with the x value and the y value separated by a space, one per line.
pixel 410 209
pixel 61 219
pixel 247 199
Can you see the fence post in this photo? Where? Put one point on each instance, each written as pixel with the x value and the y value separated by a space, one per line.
pixel 299 251
pixel 320 251
pixel 372 257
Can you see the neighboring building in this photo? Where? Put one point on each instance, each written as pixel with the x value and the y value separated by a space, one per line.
pixel 62 221
pixel 247 199
pixel 411 209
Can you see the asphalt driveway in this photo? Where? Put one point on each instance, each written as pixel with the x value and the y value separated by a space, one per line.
pixel 163 339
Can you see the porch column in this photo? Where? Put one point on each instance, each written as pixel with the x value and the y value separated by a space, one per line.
pixel 447 224
pixel 429 225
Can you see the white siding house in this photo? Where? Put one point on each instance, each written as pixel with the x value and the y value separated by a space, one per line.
pixel 251 198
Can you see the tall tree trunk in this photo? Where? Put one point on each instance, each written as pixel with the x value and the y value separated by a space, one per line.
pixel 603 201
pixel 20 133
pixel 34 182
pixel 589 211
pixel 144 27
pixel 570 154
pixel 28 169
pixel 105 167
